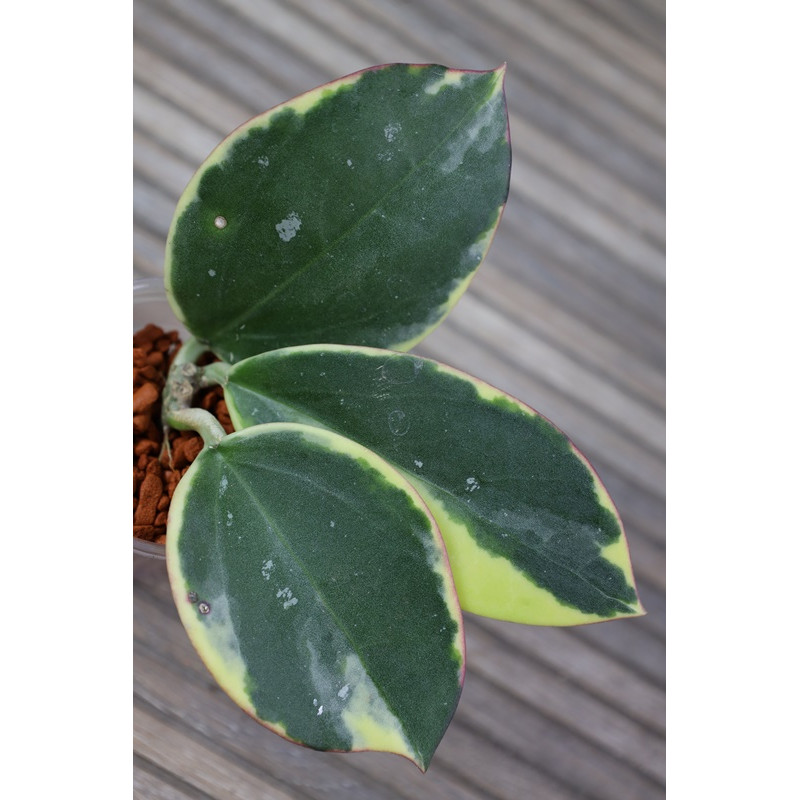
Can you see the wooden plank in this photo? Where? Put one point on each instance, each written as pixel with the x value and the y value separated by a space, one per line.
pixel 238 738
pixel 176 86
pixel 153 207
pixel 630 645
pixel 237 60
pixel 534 29
pixel 172 128
pixel 575 709
pixel 544 55
pixel 148 253
pixel 552 364
pixel 630 17
pixel 151 782
pixel 218 111
pixel 155 603
pixel 585 175
pixel 160 167
pixel 378 43
pixel 151 168
pixel 648 559
pixel 331 55
pixel 592 671
pixel 493 771
pixel 573 337
pixel 624 46
pixel 582 279
pixel 171 747
pixel 506 242
pixel 589 221
pixel 538 740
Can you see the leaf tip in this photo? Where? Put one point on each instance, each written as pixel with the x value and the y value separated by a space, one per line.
pixel 638 610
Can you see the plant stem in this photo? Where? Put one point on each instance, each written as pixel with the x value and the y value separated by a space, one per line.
pixel 200 420
pixel 189 352
pixel 216 373
pixel 184 379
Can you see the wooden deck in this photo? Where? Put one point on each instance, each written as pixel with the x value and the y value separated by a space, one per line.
pixel 567 314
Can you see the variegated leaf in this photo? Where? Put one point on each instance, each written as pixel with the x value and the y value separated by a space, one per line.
pixel 314 584
pixel 355 213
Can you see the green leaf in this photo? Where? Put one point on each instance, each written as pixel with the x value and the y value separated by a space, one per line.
pixel 531 533
pixel 356 213
pixel 314 584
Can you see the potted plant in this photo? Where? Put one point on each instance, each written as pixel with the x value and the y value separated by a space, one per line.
pixel 321 553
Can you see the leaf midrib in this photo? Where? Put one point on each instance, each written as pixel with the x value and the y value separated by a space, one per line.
pixel 319 594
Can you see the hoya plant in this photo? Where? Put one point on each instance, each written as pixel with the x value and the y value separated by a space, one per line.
pixel 321 555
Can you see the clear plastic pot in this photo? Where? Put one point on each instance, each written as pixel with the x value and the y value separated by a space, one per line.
pixel 150 305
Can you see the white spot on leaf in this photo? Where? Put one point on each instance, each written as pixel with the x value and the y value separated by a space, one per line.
pixel 212 272
pixel 286 595
pixel 472 484
pixel 287 228
pixel 391 131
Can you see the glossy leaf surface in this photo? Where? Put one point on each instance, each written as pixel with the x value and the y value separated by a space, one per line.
pixel 314 584
pixel 356 213
pixel 531 533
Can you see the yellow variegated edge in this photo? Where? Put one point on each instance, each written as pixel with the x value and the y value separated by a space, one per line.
pixel 618 551
pixel 479 573
pixel 210 641
pixel 480 248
